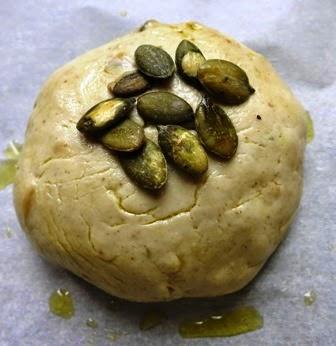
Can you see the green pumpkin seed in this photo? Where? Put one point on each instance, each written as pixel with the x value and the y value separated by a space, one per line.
pixel 225 80
pixel 130 84
pixel 154 61
pixel 183 148
pixel 189 124
pixel 147 167
pixel 126 136
pixel 215 129
pixel 188 58
pixel 164 108
pixel 104 114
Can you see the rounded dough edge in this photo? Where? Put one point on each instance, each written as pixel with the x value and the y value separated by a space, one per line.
pixel 196 239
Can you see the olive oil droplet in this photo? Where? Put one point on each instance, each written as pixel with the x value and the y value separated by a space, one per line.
pixel 310 133
pixel 13 150
pixel 9 232
pixel 310 128
pixel 113 336
pixel 90 322
pixel 7 173
pixel 61 303
pixel 238 321
pixel 8 166
pixel 309 298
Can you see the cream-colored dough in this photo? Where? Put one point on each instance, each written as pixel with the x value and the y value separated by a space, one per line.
pixel 196 239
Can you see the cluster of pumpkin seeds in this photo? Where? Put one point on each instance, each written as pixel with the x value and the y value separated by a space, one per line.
pixel 143 160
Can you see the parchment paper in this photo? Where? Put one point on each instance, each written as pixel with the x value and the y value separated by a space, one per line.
pixel 299 37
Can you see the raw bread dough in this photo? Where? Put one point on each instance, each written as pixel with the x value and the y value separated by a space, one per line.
pixel 195 239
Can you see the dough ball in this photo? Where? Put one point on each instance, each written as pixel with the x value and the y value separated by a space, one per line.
pixel 196 238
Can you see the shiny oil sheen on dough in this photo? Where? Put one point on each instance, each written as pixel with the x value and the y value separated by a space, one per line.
pixel 195 239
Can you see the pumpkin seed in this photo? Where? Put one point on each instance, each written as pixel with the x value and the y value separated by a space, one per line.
pixel 189 124
pixel 126 136
pixel 191 63
pixel 188 58
pixel 225 80
pixel 129 84
pixel 104 114
pixel 164 108
pixel 154 61
pixel 215 129
pixel 183 148
pixel 147 167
